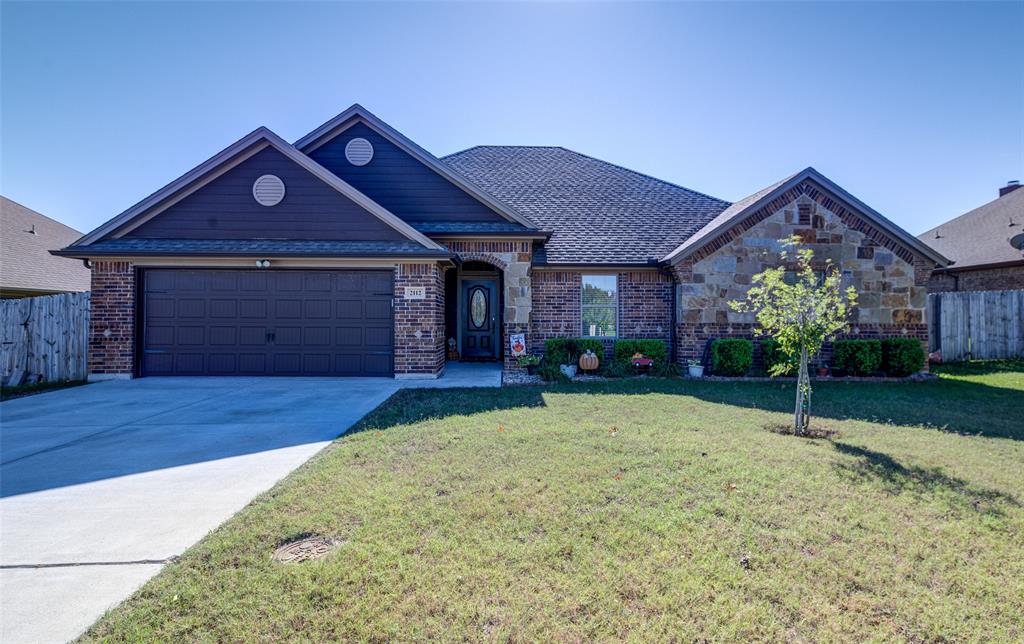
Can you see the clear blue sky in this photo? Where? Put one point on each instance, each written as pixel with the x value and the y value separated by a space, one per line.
pixel 918 109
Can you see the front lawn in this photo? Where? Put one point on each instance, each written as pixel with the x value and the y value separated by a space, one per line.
pixel 642 510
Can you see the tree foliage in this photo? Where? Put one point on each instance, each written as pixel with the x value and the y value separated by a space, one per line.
pixel 801 308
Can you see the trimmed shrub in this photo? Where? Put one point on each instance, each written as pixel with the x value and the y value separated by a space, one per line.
pixel 591 344
pixel 561 351
pixel 568 350
pixel 902 356
pixel 731 356
pixel 857 357
pixel 772 354
pixel 656 350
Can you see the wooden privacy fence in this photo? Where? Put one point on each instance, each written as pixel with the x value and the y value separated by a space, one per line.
pixel 44 338
pixel 977 325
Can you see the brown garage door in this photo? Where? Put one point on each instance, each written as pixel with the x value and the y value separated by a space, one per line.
pixel 265 322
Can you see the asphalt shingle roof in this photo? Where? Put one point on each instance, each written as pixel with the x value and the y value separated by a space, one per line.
pixel 981 236
pixel 144 246
pixel 26 239
pixel 599 213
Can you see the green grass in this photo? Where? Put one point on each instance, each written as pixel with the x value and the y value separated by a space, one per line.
pixel 18 391
pixel 519 514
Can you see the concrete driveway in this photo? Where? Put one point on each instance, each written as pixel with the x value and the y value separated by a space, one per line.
pixel 100 485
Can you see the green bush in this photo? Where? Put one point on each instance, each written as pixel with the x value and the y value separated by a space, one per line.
pixel 591 344
pixel 656 350
pixel 731 356
pixel 772 354
pixel 561 351
pixel 568 350
pixel 857 357
pixel 902 356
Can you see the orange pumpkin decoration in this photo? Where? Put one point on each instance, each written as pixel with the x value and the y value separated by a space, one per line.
pixel 589 361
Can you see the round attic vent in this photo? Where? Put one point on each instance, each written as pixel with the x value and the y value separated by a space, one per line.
pixel 359 151
pixel 268 190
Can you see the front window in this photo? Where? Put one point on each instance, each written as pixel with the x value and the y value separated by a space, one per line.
pixel 600 306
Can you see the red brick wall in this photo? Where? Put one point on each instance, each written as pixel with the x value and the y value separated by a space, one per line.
pixel 556 307
pixel 986 279
pixel 645 306
pixel 422 353
pixel 112 319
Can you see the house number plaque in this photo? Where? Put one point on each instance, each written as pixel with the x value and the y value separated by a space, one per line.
pixel 415 292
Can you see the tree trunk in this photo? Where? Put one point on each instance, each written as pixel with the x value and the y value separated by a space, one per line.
pixel 802 413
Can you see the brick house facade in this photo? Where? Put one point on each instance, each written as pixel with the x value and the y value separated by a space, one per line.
pixel 374 264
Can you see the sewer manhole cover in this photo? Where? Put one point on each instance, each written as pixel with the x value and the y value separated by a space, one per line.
pixel 313 547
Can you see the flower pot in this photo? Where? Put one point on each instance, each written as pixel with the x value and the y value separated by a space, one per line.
pixel 822 372
pixel 568 369
pixel 696 370
pixel 532 369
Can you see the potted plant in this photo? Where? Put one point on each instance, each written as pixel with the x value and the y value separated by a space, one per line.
pixel 695 368
pixel 531 363
pixel 822 371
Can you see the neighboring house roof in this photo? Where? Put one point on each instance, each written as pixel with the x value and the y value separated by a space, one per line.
pixel 981 236
pixel 138 246
pixel 25 261
pixel 232 155
pixel 749 205
pixel 357 113
pixel 600 213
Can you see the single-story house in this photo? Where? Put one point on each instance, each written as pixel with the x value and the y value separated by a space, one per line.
pixel 354 251
pixel 27 268
pixel 981 246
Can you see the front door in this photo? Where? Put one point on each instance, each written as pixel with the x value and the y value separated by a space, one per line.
pixel 479 319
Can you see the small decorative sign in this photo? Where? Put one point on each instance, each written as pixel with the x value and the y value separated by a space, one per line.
pixel 415 292
pixel 517 342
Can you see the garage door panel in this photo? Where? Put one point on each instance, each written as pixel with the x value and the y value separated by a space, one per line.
pixel 319 336
pixel 252 336
pixel 348 309
pixel 191 308
pixel 252 309
pixel 348 336
pixel 223 308
pixel 223 336
pixel 260 322
pixel 377 364
pixel 288 309
pixel 378 338
pixel 190 336
pixel 223 364
pixel 252 364
pixel 190 363
pixel 377 310
pixel 318 309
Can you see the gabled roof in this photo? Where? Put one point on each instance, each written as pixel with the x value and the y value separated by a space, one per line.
pixel 357 113
pixel 600 213
pixel 25 242
pixel 981 236
pixel 224 160
pixel 747 206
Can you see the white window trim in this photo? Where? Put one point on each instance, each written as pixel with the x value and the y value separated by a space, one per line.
pixel 583 334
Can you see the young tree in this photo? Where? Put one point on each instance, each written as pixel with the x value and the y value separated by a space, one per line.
pixel 801 308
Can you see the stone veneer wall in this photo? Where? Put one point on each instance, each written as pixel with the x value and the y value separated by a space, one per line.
pixel 112 320
pixel 419 324
pixel 890 280
pixel 645 306
pixel 984 279
pixel 513 258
